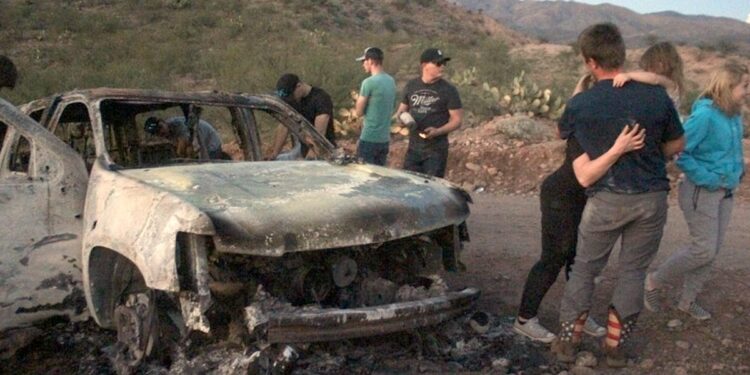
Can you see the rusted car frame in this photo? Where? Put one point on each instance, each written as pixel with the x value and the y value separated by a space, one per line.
pixel 294 250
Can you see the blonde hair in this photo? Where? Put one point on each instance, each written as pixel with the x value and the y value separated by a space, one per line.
pixel 723 81
pixel 662 58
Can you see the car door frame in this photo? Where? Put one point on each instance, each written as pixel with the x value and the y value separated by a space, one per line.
pixel 42 275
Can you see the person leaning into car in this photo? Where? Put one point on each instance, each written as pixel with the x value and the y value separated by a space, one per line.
pixel 313 103
pixel 206 141
pixel 436 107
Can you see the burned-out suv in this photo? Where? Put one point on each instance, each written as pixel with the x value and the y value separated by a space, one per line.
pixel 292 251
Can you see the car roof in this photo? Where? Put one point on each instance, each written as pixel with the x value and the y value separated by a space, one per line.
pixel 150 96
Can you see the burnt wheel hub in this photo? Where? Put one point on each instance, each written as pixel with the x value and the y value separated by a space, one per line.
pixel 135 324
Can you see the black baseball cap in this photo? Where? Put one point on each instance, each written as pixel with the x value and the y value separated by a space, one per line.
pixel 286 84
pixel 374 53
pixel 433 55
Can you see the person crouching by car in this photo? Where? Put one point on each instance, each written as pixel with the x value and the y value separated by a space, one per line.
pixel 206 142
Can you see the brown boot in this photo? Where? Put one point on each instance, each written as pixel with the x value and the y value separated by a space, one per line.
pixel 566 344
pixel 618 332
pixel 615 357
pixel 565 351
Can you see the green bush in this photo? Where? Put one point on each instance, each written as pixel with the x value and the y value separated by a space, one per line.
pixel 179 4
pixel 726 46
pixel 494 64
pixel 390 24
pixel 401 4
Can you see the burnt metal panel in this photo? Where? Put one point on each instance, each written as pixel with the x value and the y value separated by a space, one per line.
pixel 40 239
pixel 337 324
pixel 272 208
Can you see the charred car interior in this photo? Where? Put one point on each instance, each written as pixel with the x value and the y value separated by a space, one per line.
pixel 162 246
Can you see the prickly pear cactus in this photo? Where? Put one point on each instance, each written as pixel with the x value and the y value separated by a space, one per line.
pixel 467 77
pixel 522 97
pixel 526 97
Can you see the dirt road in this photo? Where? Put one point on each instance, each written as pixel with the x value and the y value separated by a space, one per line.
pixel 506 242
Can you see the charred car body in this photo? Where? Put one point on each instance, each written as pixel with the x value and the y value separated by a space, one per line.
pixel 294 251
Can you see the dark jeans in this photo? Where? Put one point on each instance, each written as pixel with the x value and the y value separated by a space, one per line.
pixel 431 161
pixel 373 153
pixel 559 239
pixel 218 155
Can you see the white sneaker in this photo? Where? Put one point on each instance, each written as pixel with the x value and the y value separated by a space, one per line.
pixel 592 328
pixel 533 330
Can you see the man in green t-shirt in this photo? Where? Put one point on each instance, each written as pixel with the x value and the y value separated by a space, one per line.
pixel 377 98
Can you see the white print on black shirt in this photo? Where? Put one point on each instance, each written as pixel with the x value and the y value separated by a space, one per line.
pixel 422 101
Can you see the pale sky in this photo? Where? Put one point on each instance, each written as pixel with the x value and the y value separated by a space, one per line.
pixel 739 9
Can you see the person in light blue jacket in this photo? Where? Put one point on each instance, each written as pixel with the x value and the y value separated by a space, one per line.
pixel 713 165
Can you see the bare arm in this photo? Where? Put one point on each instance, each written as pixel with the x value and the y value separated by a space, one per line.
pixel 454 122
pixel 278 143
pixel 589 171
pixel 673 147
pixel 183 148
pixel 321 123
pixel 361 105
pixel 584 83
pixel 644 77
pixel 402 107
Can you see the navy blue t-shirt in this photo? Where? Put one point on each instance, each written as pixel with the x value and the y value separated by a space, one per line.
pixel 597 116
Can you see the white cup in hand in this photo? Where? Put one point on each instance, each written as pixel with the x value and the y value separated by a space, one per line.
pixel 407 119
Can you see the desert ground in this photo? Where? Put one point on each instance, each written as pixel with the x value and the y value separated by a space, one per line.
pixel 506 243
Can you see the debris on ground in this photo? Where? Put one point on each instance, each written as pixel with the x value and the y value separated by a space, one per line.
pixel 452 346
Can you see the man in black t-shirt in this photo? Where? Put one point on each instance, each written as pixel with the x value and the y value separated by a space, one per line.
pixel 436 108
pixel 313 103
pixel 628 202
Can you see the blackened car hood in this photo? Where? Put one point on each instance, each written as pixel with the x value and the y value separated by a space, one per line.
pixel 271 208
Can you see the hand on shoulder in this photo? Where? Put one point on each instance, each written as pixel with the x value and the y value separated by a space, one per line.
pixel 620 79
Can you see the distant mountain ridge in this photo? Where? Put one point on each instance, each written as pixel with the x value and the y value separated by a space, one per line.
pixel 562 21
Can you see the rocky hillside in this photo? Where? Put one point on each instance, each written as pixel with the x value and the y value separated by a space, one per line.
pixel 230 44
pixel 561 21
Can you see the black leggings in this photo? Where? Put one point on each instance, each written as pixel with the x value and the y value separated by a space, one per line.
pixel 559 238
